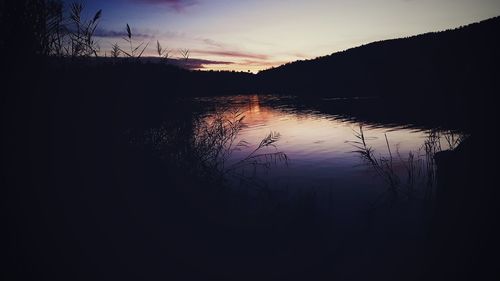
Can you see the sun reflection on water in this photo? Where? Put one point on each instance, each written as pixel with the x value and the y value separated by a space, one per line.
pixel 319 146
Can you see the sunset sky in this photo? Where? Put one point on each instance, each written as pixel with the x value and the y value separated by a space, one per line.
pixel 257 34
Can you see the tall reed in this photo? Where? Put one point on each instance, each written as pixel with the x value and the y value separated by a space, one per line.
pixel 207 146
pixel 419 176
pixel 215 141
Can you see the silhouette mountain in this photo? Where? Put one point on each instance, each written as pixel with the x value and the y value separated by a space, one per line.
pixel 462 61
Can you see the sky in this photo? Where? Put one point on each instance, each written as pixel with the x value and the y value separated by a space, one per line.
pixel 252 35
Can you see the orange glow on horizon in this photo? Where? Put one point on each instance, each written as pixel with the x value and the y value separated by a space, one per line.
pixel 252 67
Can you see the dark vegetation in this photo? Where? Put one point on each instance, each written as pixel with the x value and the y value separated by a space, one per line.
pixel 90 194
pixel 434 66
pixel 449 76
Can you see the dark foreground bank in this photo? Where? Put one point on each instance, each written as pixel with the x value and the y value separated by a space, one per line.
pixel 83 201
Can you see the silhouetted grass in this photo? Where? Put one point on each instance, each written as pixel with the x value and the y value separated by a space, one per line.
pixel 136 50
pixel 382 166
pixel 419 166
pixel 206 145
pixel 163 53
pixel 78 191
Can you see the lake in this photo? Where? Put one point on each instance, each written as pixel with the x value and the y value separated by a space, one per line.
pixel 322 150
pixel 376 195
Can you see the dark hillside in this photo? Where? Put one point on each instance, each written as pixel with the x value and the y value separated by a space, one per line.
pixel 461 61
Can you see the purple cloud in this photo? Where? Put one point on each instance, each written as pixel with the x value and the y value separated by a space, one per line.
pixel 105 33
pixel 234 54
pixel 200 63
pixel 177 5
pixel 212 43
pixel 192 63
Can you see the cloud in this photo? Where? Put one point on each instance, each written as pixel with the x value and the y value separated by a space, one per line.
pixel 178 5
pixel 106 33
pixel 262 64
pixel 212 43
pixel 234 54
pixel 192 63
pixel 201 63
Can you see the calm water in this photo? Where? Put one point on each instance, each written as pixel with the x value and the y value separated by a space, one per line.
pixel 319 147
pixel 372 227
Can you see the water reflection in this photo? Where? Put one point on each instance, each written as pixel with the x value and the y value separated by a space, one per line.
pixel 319 146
